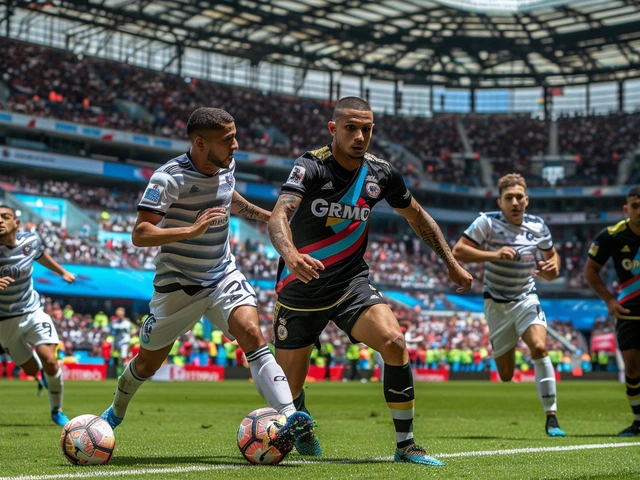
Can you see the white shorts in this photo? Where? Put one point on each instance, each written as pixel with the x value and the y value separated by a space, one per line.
pixel 175 313
pixel 18 335
pixel 508 321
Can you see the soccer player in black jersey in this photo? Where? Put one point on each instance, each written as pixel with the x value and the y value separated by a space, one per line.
pixel 322 275
pixel 622 242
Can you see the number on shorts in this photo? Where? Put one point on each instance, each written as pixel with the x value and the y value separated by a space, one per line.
pixel 46 328
pixel 235 286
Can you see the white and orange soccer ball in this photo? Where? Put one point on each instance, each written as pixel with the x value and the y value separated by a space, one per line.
pixel 87 440
pixel 252 434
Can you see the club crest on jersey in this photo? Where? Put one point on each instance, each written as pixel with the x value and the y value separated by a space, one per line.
pixel 153 193
pixel 373 189
pixel 231 181
pixel 27 248
pixel 296 175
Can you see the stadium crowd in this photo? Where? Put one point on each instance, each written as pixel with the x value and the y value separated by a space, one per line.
pixel 459 342
pixel 59 84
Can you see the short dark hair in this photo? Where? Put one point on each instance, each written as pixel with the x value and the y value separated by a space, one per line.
pixel 634 193
pixel 350 103
pixel 9 208
pixel 207 118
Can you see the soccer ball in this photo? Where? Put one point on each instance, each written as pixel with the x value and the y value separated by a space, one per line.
pixel 251 437
pixel 87 440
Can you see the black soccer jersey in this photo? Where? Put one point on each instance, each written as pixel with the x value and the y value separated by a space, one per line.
pixel 623 245
pixel 331 223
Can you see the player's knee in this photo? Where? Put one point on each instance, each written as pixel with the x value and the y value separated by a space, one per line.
pixel 538 350
pixel 394 348
pixel 50 366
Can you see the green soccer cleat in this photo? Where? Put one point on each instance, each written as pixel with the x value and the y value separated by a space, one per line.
pixel 283 435
pixel 309 445
pixel 416 454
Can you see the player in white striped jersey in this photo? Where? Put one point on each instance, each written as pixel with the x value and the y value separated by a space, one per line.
pixel 508 242
pixel 185 211
pixel 23 323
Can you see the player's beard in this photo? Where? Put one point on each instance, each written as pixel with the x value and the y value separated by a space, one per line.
pixel 211 158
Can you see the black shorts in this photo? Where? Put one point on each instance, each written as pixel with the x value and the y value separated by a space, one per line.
pixel 295 328
pixel 628 333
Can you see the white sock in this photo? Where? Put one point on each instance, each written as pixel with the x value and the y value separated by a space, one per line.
pixel 56 389
pixel 128 384
pixel 546 383
pixel 270 380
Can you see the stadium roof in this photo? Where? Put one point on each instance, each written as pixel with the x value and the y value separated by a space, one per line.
pixel 524 43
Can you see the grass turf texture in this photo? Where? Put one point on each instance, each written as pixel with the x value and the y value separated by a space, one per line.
pixel 188 430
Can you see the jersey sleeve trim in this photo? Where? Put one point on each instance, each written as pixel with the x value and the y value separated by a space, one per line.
pixel 151 210
pixel 471 239
pixel 545 249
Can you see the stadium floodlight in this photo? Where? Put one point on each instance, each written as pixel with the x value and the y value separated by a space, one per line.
pixel 504 6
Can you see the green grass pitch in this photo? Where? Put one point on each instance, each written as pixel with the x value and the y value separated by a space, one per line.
pixel 188 430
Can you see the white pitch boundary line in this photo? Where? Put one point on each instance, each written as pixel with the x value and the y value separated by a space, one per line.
pixel 207 468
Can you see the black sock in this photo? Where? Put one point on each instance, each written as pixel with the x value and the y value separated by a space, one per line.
pixel 400 397
pixel 633 395
pixel 299 403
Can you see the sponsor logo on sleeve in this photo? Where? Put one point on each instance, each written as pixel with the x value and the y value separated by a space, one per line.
pixel 152 193
pixel 296 175
pixel 593 249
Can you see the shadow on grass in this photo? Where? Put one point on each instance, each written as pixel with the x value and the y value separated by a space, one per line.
pixel 157 461
pixel 481 437
pixel 233 461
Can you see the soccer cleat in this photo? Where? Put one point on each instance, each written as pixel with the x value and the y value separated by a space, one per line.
pixel 631 431
pixel 416 454
pixel 111 418
pixel 297 427
pixel 553 428
pixel 309 445
pixel 59 418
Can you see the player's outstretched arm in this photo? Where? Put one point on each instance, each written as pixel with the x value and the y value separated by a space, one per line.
pixel 549 269
pixel 240 206
pixel 594 280
pixel 54 266
pixel 429 231
pixel 468 252
pixel 302 265
pixel 146 233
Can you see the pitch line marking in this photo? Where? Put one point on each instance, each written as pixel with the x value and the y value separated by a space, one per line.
pixel 207 468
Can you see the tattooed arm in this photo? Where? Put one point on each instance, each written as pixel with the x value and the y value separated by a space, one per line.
pixel 240 206
pixel 427 229
pixel 304 266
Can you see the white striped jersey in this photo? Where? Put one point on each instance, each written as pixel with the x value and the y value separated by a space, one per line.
pixel 180 193
pixel 19 297
pixel 510 279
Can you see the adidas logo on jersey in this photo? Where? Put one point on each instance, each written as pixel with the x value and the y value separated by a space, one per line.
pixel 194 189
pixel 625 249
pixel 327 186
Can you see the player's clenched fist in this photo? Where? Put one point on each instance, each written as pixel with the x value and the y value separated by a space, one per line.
pixel 5 282
pixel 304 267
pixel 460 277
pixel 506 253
